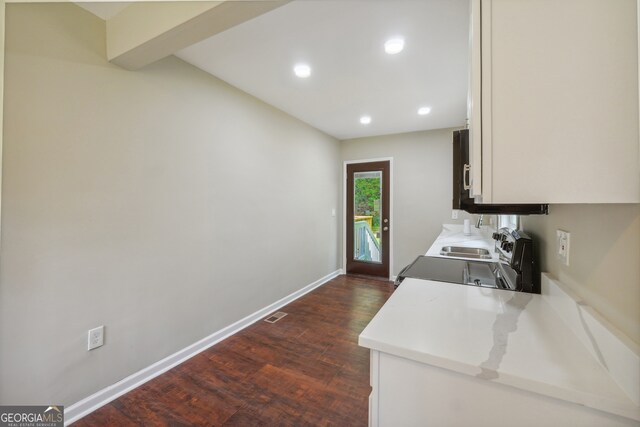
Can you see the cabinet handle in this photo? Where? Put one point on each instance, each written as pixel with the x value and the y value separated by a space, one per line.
pixel 466 169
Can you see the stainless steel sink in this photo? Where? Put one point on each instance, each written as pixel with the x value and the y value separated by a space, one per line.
pixel 465 252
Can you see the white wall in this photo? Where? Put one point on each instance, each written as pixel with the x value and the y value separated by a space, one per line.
pixel 422 186
pixel 604 257
pixel 162 203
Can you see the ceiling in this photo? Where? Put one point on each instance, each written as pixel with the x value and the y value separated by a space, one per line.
pixel 343 43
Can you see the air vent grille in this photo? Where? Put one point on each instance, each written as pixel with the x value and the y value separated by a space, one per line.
pixel 275 317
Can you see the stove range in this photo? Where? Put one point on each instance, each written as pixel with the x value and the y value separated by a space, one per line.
pixel 513 271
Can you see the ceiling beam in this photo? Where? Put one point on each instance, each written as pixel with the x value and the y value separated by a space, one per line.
pixel 145 32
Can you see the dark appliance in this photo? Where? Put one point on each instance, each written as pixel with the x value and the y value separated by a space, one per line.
pixel 514 270
pixel 462 198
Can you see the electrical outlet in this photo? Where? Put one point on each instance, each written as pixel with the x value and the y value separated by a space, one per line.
pixel 96 338
pixel 454 214
pixel 563 240
pixel 333 212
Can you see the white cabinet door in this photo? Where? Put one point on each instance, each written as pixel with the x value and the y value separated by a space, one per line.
pixel 559 101
pixel 474 107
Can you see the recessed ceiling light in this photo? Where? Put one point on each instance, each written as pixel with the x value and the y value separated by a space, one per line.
pixel 423 111
pixel 302 70
pixel 394 45
pixel 365 120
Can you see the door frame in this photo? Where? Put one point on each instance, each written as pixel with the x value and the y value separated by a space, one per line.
pixel 344 209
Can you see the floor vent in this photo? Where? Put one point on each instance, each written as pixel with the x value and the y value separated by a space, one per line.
pixel 275 317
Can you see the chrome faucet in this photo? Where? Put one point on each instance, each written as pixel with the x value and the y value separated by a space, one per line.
pixel 479 221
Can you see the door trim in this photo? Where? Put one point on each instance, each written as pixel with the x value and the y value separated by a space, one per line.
pixel 344 209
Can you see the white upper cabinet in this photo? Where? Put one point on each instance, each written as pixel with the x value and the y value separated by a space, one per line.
pixel 554 101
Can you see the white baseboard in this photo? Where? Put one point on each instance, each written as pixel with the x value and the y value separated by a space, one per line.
pixel 89 404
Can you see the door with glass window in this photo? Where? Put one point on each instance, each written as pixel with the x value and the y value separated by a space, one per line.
pixel 368 221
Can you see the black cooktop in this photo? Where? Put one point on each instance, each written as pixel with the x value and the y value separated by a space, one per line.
pixel 438 269
pixel 474 273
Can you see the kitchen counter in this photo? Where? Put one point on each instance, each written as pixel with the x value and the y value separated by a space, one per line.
pixel 503 337
pixel 453 235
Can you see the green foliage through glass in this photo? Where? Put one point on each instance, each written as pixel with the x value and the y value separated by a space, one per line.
pixel 367 199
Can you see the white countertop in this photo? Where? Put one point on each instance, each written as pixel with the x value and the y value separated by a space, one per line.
pixel 502 336
pixel 453 235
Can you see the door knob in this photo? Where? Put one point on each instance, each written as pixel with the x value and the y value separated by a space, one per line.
pixel 385 229
pixel 386 220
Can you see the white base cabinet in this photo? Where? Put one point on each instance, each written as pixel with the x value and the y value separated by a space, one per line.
pixel 408 393
pixel 554 101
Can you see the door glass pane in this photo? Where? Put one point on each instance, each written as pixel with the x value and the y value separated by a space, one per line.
pixel 367 202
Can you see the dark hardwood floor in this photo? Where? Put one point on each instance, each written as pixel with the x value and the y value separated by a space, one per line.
pixel 305 369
